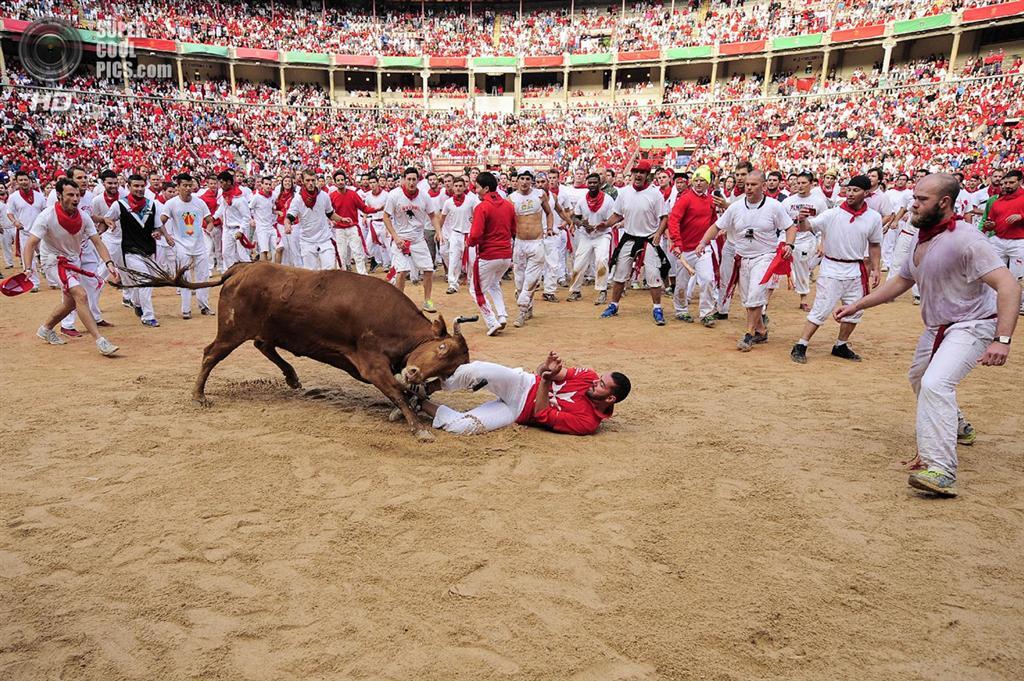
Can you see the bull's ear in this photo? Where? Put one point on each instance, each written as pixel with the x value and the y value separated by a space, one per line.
pixel 440 328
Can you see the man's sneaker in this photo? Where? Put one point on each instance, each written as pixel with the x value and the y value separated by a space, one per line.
pixel 917 300
pixel 745 343
pixel 428 306
pixel 50 336
pixel 105 347
pixel 127 303
pixel 563 282
pixel 138 312
pixel 635 286
pixel 529 312
pixel 35 289
pixel 451 290
pixel 206 312
pixel 721 315
pixel 760 338
pixel 935 482
pixel 502 322
pixel 611 311
pixel 186 315
pixel 602 298
pixel 494 330
pixel 550 298
pixel 152 323
pixel 104 323
pixel 70 333
pixel 684 317
pixel 799 353
pixel 708 320
pixel 574 296
pixel 521 319
pixel 844 352
pixel 659 316
pixel 966 435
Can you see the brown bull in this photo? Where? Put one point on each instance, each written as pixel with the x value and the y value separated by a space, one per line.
pixel 357 323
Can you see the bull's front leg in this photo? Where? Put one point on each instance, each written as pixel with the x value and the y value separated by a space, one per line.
pixel 376 369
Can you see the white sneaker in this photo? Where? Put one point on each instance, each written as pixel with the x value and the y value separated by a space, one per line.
pixel 494 330
pixel 50 336
pixel 105 347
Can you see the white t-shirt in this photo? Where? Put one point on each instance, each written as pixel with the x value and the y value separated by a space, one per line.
pixel 112 235
pixel 641 210
pixel 459 218
pixel 262 209
pixel 237 215
pixel 58 240
pixel 879 201
pixel 377 201
pixel 408 216
pixel 23 211
pixel 602 214
pixel 816 204
pixel 755 228
pixel 185 223
pixel 846 240
pixel 312 223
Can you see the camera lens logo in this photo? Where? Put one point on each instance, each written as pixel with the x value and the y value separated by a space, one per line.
pixel 50 49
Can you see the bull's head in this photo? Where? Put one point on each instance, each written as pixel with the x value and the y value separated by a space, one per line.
pixel 437 358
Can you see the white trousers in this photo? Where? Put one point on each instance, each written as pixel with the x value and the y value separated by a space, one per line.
pixel 318 256
pixel 510 386
pixel 591 251
pixel 1012 253
pixel 266 239
pixel 291 248
pixel 232 250
pixel 829 293
pixel 802 265
pixel 141 297
pixel 456 247
pixel 705 279
pixel 199 270
pixel 934 380
pixel 528 262
pixel 7 244
pixel 554 260
pixel 725 266
pixel 214 240
pixel 381 251
pixel 485 287
pixel 900 253
pixel 350 247
pixel 888 246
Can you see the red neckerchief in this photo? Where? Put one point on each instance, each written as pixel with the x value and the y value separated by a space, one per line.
pixel 161 199
pixel 377 193
pixel 230 194
pixel 71 223
pixel 284 199
pixel 553 190
pixel 308 198
pixel 929 233
pixel 769 194
pixel 415 193
pixel 666 192
pixel 433 193
pixel 736 191
pixel 854 213
pixel 594 204
pixel 459 200
pixel 579 186
pixel 28 195
pixel 265 195
pixel 136 204
pixel 110 200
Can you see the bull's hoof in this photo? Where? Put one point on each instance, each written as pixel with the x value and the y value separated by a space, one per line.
pixel 396 415
pixel 202 401
pixel 293 383
pixel 424 435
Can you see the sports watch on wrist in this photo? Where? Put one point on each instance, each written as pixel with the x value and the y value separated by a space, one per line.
pixel 1005 340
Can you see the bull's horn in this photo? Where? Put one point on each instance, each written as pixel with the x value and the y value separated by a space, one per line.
pixel 459 320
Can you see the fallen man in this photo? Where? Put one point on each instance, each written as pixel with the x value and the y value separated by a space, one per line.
pixel 563 399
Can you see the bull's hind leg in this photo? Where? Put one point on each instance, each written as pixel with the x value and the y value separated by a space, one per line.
pixel 212 356
pixel 270 352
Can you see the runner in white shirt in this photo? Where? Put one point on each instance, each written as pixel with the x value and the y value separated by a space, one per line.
pixel 261 205
pixel 556 238
pixel 23 206
pixel 899 196
pixel 233 211
pixel 378 235
pixel 806 244
pixel 407 212
pixel 591 215
pixel 641 210
pixel 848 230
pixel 533 219
pixel 64 228
pixel 7 230
pixel 457 217
pixel 756 223
pixel 311 209
pixel 105 214
pixel 727 256
pixel 184 217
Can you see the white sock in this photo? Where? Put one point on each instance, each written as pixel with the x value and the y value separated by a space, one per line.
pixel 657 306
pixel 840 343
pixel 803 342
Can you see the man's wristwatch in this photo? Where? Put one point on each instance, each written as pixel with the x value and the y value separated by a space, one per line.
pixel 1005 340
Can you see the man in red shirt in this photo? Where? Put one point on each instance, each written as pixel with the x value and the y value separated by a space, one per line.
pixel 563 399
pixel 490 254
pixel 348 239
pixel 693 213
pixel 1006 219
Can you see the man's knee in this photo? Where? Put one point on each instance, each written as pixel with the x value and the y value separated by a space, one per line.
pixel 934 384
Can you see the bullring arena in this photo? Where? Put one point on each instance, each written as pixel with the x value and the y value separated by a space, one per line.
pixel 740 516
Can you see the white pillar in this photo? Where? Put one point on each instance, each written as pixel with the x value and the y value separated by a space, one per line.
pixel 181 78
pixel 767 75
pixel 954 52
pixel 824 66
pixel 231 76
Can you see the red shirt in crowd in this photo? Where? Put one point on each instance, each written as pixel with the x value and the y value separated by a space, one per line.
pixel 1004 207
pixel 570 410
pixel 347 205
pixel 690 218
pixel 494 225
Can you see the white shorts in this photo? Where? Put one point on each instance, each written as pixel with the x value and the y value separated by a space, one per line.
pixel 419 257
pixel 832 291
pixel 71 279
pixel 266 240
pixel 752 292
pixel 652 266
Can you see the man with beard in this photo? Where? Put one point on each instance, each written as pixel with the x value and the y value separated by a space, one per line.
pixel 969 303
pixel 590 216
pixel 1006 220
pixel 848 230
pixel 726 244
pixel 806 244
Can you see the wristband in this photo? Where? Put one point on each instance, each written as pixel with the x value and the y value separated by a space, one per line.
pixel 109 262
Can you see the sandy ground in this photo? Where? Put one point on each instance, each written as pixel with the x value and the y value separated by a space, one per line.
pixel 741 517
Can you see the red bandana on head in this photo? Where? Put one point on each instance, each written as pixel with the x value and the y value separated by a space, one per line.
pixel 595 203
pixel 71 223
pixel 854 214
pixel 28 194
pixel 929 233
pixel 136 204
pixel 230 194
pixel 410 196
pixel 309 198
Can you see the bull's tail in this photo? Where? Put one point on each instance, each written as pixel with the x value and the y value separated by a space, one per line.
pixel 158 277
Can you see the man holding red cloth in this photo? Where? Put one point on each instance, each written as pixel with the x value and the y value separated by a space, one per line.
pixel 848 230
